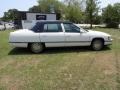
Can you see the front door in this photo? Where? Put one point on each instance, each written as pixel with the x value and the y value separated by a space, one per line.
pixel 73 37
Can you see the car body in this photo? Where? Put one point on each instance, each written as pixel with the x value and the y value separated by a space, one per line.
pixel 57 34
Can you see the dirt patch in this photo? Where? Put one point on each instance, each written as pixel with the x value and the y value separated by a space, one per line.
pixel 11 83
pixel 106 63
pixel 27 63
pixel 6 63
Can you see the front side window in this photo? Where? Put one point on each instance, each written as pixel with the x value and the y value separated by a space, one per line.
pixel 71 28
pixel 52 28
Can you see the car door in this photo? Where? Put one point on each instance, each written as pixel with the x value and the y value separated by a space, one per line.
pixel 73 36
pixel 52 35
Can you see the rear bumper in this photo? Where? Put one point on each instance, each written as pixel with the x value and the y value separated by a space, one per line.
pixel 22 45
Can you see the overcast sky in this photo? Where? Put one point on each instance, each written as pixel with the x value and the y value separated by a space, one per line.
pixel 24 5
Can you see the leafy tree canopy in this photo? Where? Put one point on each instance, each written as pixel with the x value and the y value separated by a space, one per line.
pixel 91 11
pixel 10 15
pixel 111 15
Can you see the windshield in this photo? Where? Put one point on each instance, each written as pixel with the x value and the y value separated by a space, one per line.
pixel 83 30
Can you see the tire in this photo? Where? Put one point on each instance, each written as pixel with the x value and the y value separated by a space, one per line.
pixel 97 44
pixel 37 47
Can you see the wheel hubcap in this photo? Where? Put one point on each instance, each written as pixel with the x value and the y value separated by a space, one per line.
pixel 36 47
pixel 97 45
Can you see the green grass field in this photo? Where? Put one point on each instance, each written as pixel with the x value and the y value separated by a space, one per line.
pixel 60 68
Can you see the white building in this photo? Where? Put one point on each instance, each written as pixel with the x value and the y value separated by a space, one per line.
pixel 28 19
pixel 40 16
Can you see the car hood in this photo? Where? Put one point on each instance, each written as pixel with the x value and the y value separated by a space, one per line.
pixel 97 33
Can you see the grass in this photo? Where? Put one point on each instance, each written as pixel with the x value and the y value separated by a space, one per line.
pixel 60 69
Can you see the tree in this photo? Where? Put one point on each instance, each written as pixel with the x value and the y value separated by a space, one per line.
pixel 117 9
pixel 97 19
pixel 91 10
pixel 49 6
pixel 73 10
pixel 4 18
pixel 111 15
pixel 35 9
pixel 10 15
pixel 74 14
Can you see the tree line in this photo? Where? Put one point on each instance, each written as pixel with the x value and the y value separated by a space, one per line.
pixel 77 11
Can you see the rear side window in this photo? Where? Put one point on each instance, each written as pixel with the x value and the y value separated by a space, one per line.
pixel 52 27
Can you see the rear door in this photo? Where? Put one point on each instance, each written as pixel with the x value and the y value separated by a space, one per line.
pixel 52 35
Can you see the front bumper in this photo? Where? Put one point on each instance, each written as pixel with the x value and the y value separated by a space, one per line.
pixel 108 42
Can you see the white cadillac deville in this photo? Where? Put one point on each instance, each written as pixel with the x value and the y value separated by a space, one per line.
pixel 58 34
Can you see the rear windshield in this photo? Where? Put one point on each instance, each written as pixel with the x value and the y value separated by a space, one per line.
pixel 37 27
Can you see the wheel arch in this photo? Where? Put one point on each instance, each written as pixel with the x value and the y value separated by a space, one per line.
pixel 98 38
pixel 34 42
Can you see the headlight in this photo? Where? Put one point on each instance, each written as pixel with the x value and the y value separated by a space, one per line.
pixel 109 38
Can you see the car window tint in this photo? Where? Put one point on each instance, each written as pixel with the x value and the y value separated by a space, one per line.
pixel 52 28
pixel 71 28
pixel 67 27
pixel 37 27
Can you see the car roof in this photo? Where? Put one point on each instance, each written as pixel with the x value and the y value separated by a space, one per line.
pixel 53 21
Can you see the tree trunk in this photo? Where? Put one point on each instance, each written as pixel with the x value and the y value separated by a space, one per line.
pixel 91 20
pixel 91 24
pixel 4 26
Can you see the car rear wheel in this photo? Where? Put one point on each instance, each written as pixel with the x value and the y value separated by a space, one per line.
pixel 37 47
pixel 97 44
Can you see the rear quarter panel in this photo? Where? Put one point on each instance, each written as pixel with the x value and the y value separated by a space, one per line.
pixel 24 36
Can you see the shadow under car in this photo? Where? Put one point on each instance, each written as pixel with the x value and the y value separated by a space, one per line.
pixel 25 51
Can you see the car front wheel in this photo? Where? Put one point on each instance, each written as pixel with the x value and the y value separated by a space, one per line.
pixel 97 44
pixel 37 47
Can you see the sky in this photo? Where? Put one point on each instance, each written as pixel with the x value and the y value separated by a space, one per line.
pixel 24 5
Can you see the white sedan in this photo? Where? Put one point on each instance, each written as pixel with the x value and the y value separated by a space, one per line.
pixel 58 34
